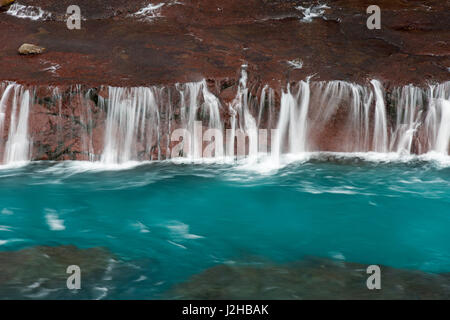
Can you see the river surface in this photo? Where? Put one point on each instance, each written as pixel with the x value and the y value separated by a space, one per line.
pixel 182 218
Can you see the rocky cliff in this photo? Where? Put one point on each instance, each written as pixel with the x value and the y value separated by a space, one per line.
pixel 190 55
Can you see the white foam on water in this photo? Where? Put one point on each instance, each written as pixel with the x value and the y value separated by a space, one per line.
pixel 53 220
pixel 149 12
pixel 74 167
pixel 14 165
pixel 177 244
pixel 5 242
pixel 337 255
pixel 141 227
pixel 312 12
pixel 295 64
pixel 103 292
pixel 5 228
pixel 141 278
pixel 7 212
pixel 28 12
pixel 180 230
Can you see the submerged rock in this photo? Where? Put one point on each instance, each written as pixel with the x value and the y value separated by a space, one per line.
pixel 40 273
pixel 312 278
pixel 27 48
pixel 41 270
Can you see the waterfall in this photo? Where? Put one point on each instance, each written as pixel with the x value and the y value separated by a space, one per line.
pixel 293 120
pixel 349 101
pixel 198 104
pixel 443 131
pixel 190 92
pixel 380 140
pixel 247 125
pixel 437 122
pixel 132 120
pixel 4 103
pixel 409 111
pixel 18 144
pixel 135 124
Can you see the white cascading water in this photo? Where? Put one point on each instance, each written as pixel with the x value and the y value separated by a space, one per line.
pixel 139 121
pixel 133 118
pixel 133 123
pixel 189 93
pixel 196 100
pixel 243 123
pixel 409 112
pixel 443 131
pixel 437 122
pixel 18 144
pixel 380 138
pixel 293 121
pixel 329 97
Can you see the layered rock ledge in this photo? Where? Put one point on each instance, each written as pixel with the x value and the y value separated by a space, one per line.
pixel 124 44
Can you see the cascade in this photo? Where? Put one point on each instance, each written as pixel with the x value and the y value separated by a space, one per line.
pixel 132 119
pixel 243 124
pixel 437 121
pixel 443 131
pixel 293 121
pixel 409 112
pixel 197 103
pixel 134 124
pixel 380 139
pixel 18 143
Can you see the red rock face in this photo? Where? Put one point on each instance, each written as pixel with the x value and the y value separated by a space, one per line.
pixel 193 40
pixel 211 39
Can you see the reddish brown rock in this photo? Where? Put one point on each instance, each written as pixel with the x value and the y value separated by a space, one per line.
pixel 210 39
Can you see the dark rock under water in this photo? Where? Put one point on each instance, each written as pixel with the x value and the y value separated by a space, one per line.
pixel 312 278
pixel 40 273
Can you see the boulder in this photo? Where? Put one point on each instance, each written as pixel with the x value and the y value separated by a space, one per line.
pixel 27 48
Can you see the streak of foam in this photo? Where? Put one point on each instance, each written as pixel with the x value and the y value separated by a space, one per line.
pixel 181 231
pixel 53 221
pixel 103 292
pixel 28 12
pixel 149 12
pixel 312 12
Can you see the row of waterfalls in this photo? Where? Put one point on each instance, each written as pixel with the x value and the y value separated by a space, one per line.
pixel 188 120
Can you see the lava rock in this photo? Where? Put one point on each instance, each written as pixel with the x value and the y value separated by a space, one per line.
pixel 27 49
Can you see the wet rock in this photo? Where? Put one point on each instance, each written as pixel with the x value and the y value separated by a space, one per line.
pixel 313 278
pixel 27 49
pixel 212 38
pixel 40 273
pixel 42 269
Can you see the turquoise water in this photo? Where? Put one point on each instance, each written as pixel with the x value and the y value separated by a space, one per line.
pixel 175 220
